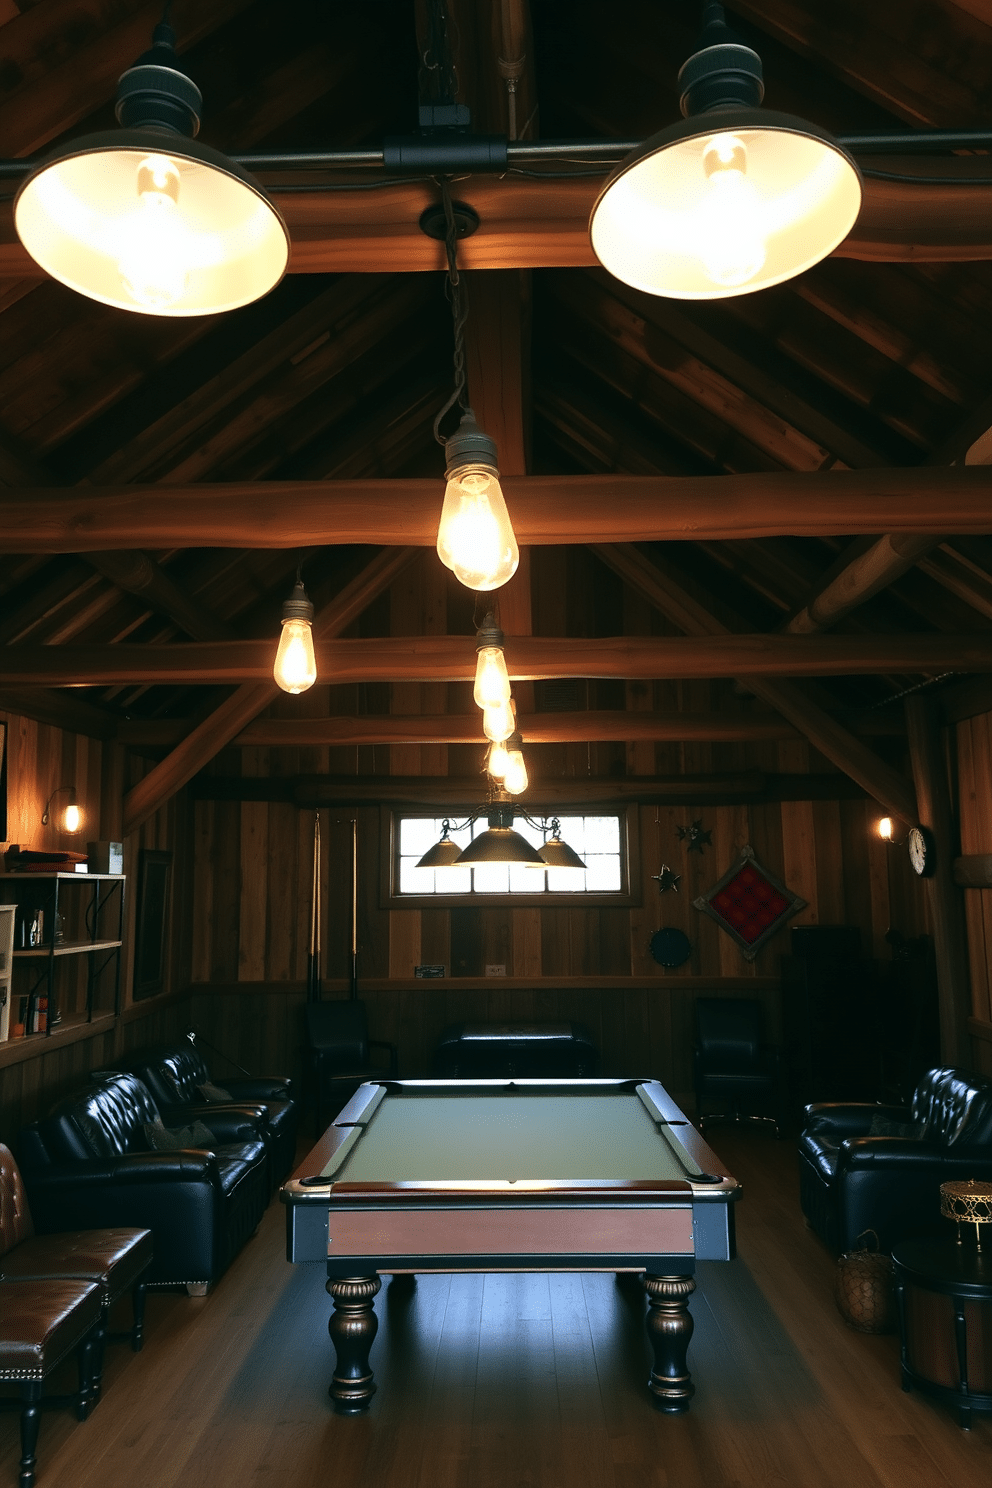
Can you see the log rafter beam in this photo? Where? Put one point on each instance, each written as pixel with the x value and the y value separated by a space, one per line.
pixel 546 510
pixel 226 721
pixel 831 738
pixel 593 726
pixel 444 658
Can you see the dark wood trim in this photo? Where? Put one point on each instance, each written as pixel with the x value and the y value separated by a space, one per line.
pixel 974 871
pixel 466 795
pixel 340 986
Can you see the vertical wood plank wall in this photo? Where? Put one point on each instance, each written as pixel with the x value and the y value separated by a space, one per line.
pixel 974 783
pixel 34 1072
pixel 252 863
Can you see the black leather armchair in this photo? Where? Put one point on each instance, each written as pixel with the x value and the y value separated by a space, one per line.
pixel 87 1165
pixel 852 1180
pixel 734 1067
pixel 340 1052
pixel 175 1075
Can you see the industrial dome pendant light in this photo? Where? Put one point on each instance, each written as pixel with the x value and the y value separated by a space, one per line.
pixel 733 199
pixel 145 218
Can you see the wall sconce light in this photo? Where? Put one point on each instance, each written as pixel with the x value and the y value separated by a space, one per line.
pixel 734 198
pixel 295 666
pixel 886 827
pixel 146 219
pixel 71 819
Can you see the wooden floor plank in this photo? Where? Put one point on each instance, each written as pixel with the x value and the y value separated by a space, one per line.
pixel 520 1381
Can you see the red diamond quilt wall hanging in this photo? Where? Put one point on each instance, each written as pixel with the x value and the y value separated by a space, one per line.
pixel 750 903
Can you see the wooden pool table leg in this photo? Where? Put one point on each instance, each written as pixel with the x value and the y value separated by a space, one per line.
pixel 353 1326
pixel 669 1324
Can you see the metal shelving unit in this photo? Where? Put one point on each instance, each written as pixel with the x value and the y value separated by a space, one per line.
pixel 106 899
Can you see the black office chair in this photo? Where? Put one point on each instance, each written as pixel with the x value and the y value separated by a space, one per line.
pixel 735 1068
pixel 339 1044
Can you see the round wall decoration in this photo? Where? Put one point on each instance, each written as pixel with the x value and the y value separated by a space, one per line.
pixel 670 947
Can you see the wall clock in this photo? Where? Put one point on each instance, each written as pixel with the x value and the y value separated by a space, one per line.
pixel 670 947
pixel 922 851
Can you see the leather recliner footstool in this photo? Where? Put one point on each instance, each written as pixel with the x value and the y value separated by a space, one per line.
pixel 41 1323
pixel 876 1167
pixel 88 1164
pixel 116 1260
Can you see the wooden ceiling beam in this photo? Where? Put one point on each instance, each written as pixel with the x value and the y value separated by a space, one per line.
pixel 225 722
pixel 460 795
pixel 824 732
pixel 859 580
pixel 66 58
pixel 546 510
pixel 596 726
pixel 531 224
pixel 445 658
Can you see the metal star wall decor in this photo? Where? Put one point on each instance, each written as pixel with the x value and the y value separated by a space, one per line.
pixel 695 835
pixel 666 880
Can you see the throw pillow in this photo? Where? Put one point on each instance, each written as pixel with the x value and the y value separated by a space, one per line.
pixel 163 1138
pixel 885 1126
pixel 210 1093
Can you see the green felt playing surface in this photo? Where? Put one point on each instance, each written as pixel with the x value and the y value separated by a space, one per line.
pixel 505 1137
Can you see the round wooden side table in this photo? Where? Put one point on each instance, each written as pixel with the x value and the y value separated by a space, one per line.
pixel 944 1297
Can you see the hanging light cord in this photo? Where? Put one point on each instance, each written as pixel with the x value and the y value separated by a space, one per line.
pixel 459 311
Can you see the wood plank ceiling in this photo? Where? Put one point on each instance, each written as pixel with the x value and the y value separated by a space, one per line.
pixel 784 459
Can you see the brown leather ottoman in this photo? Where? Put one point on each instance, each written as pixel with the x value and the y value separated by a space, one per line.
pixel 41 1323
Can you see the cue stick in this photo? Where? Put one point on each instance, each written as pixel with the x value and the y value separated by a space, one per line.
pixel 354 907
pixel 313 957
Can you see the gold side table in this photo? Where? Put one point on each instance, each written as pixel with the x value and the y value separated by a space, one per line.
pixel 967 1201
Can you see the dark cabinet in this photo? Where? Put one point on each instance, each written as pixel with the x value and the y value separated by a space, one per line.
pixel 830 1016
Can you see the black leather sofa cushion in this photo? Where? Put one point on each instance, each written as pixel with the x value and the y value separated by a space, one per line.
pixel 174 1075
pixel 85 1166
pixel 851 1181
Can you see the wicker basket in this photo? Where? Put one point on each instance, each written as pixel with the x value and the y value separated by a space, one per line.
pixel 865 1296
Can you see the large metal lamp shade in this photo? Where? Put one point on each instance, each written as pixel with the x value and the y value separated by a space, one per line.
pixel 731 199
pixel 146 218
pixel 725 203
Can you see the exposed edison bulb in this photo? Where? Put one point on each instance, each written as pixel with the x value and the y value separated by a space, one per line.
pixel 498 760
pixel 731 241
pixel 475 537
pixel 885 829
pixel 154 258
pixel 295 666
pixel 515 779
pixel 492 681
pixel 72 819
pixel 498 723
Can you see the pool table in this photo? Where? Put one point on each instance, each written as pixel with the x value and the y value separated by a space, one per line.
pixel 510 1175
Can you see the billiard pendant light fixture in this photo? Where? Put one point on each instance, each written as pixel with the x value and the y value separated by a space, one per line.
pixel 733 199
pixel 444 853
pixel 146 219
pixel 556 853
pixel 500 843
pixel 295 668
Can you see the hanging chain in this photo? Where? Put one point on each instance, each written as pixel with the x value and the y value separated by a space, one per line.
pixel 458 296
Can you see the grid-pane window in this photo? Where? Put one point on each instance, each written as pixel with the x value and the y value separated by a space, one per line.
pixel 598 840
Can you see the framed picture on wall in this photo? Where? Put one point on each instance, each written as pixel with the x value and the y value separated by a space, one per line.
pixel 3 781
pixel 152 922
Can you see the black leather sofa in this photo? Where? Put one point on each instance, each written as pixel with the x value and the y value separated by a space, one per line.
pixel 176 1074
pixel 88 1165
pixel 877 1167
